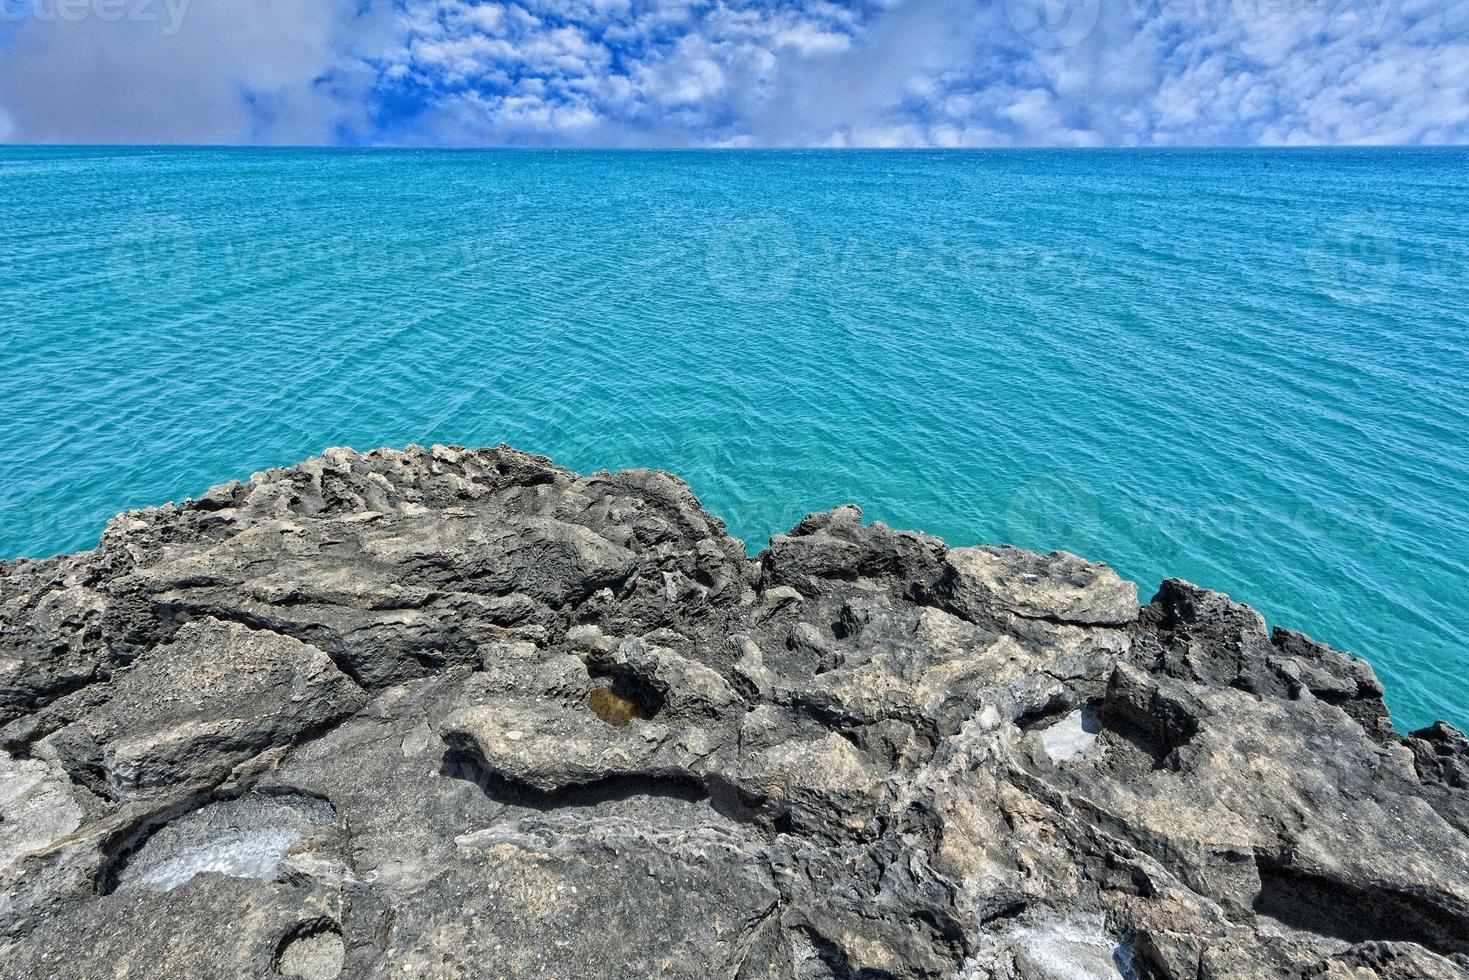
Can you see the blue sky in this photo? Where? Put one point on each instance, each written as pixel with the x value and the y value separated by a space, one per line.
pixel 731 73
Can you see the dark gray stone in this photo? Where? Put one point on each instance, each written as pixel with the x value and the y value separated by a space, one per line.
pixel 453 713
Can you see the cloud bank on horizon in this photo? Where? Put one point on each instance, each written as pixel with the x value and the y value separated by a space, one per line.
pixel 735 72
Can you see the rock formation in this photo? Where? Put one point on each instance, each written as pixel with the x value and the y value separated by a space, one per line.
pixel 452 713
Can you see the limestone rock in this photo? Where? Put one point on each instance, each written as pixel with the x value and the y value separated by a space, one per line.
pixel 463 713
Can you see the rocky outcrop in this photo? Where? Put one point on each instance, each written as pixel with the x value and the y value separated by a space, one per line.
pixel 450 713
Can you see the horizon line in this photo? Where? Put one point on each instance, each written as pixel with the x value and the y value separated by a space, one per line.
pixel 730 149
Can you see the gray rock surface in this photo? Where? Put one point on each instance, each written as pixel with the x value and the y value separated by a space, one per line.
pixel 451 713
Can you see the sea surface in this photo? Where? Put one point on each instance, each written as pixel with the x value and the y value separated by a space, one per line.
pixel 1246 368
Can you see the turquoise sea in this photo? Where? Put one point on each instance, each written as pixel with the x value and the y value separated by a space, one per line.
pixel 1246 368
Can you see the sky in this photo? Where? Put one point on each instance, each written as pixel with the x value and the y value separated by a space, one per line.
pixel 652 73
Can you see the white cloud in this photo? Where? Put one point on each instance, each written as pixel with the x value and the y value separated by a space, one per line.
pixel 809 39
pixel 269 71
pixel 731 72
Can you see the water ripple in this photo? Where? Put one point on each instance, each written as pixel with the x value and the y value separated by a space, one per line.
pixel 1246 368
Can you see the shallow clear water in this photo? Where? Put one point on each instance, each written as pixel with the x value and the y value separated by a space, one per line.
pixel 1246 368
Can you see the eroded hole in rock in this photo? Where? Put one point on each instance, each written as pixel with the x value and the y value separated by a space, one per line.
pixel 312 951
pixel 244 837
pixel 621 703
pixel 1052 711
pixel 1155 731
pixel 611 792
pixel 1352 914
